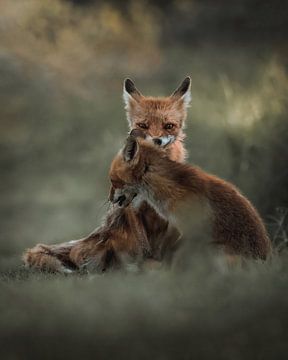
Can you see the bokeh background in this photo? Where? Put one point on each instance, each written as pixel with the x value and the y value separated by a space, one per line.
pixel 62 119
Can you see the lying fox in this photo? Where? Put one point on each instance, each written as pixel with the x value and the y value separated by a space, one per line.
pixel 140 232
pixel 143 172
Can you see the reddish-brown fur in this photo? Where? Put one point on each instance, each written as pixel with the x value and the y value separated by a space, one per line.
pixel 122 238
pixel 127 233
pixel 155 114
pixel 172 187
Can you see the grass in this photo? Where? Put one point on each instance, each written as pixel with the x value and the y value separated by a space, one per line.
pixel 204 312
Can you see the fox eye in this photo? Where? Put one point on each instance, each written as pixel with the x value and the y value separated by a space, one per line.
pixel 168 126
pixel 142 125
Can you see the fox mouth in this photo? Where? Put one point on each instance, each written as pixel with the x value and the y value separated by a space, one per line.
pixel 123 200
pixel 164 141
pixel 161 141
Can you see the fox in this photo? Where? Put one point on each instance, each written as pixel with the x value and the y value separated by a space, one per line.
pixel 142 171
pixel 138 233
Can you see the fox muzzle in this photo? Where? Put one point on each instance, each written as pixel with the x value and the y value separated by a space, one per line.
pixel 123 198
pixel 163 140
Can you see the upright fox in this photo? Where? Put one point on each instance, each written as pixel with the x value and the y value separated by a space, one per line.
pixel 144 171
pixel 128 230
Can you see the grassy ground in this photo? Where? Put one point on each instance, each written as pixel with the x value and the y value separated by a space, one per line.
pixel 204 312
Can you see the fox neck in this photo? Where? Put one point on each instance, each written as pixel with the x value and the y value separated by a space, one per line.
pixel 146 194
pixel 172 185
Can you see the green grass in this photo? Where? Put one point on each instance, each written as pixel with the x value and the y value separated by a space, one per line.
pixel 204 312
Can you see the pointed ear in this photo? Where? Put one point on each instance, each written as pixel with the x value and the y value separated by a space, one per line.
pixel 131 149
pixel 137 133
pixel 183 91
pixel 130 92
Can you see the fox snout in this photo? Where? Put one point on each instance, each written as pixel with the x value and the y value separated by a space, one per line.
pixel 157 141
pixel 122 198
pixel 163 140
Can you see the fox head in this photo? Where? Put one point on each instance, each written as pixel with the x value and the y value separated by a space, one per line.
pixel 159 116
pixel 140 169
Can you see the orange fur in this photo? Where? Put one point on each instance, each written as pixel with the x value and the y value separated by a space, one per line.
pixel 175 188
pixel 127 233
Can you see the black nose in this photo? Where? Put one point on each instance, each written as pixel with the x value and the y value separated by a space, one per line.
pixel 157 141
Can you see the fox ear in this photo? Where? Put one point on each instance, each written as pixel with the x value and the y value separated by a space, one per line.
pixel 183 91
pixel 137 133
pixel 130 92
pixel 131 149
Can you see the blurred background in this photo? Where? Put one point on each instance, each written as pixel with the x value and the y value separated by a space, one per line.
pixel 62 65
pixel 62 119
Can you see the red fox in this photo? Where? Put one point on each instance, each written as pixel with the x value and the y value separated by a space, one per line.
pixel 189 194
pixel 135 232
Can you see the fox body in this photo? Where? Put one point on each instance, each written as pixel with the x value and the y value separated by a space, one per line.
pixel 137 233
pixel 141 170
